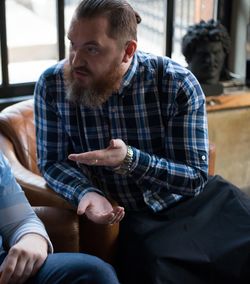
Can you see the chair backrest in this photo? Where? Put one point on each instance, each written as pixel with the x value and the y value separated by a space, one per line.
pixel 17 124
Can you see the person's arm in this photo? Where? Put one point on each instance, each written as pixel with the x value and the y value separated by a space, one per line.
pixel 53 147
pixel 183 168
pixel 24 259
pixel 53 144
pixel 20 229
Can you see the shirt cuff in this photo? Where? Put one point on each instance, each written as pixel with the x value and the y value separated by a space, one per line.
pixel 140 164
pixel 29 230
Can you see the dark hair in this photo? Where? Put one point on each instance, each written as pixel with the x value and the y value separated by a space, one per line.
pixel 204 31
pixel 121 17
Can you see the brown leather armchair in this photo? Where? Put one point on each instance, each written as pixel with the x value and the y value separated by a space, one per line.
pixel 62 226
pixel 17 141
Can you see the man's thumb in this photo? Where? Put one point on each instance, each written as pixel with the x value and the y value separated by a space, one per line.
pixel 82 206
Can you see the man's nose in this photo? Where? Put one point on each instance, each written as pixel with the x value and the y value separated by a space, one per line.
pixel 77 59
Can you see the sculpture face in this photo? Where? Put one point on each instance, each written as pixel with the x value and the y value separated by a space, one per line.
pixel 207 62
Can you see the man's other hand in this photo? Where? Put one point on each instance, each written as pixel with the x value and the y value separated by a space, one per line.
pixel 99 210
pixel 24 259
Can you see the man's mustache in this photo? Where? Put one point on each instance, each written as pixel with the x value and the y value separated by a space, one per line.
pixel 81 69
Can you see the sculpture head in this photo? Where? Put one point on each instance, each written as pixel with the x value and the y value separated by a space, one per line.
pixel 205 46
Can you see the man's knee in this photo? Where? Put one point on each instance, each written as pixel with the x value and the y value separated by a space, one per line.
pixel 103 273
pixel 76 268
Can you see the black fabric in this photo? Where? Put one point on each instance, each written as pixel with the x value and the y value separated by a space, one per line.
pixel 205 239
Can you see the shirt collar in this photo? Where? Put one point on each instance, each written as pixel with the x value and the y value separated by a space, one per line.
pixel 129 75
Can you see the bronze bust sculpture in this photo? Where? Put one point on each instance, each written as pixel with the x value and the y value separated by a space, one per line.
pixel 205 47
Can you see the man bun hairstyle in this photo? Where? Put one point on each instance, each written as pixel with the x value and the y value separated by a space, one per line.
pixel 122 18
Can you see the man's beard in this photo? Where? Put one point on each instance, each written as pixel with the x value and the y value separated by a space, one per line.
pixel 99 91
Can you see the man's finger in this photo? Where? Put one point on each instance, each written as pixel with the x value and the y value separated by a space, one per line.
pixel 8 268
pixel 118 215
pixel 22 271
pixel 111 144
pixel 81 159
pixel 100 218
pixel 81 209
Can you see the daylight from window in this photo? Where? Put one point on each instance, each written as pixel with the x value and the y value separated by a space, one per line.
pixel 32 31
pixel 31 38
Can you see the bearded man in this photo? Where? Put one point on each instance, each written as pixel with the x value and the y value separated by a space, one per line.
pixel 116 123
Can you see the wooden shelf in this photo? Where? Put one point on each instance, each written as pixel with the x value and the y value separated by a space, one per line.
pixel 231 100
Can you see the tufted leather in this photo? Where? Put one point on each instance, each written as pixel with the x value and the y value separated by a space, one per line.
pixel 62 226
pixel 17 123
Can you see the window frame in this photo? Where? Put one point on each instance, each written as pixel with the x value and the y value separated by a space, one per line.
pixel 10 93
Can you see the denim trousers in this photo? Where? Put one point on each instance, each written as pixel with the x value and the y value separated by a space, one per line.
pixel 73 268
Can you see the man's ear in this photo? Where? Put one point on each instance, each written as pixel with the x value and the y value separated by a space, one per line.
pixel 129 50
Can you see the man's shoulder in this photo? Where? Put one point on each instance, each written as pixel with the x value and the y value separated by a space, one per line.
pixel 54 70
pixel 50 82
pixel 146 60
pixel 171 68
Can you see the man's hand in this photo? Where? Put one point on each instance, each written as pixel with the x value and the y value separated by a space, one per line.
pixel 96 207
pixel 112 156
pixel 99 210
pixel 24 259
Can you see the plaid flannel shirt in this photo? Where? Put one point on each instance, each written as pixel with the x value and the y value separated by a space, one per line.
pixel 167 130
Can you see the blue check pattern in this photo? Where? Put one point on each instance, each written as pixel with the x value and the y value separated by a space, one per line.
pixel 167 130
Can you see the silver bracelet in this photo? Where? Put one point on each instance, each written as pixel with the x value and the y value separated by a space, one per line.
pixel 125 166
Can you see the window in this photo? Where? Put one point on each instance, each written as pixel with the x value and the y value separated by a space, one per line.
pixel 187 13
pixel 32 35
pixel 31 38
pixel 153 28
pixel 68 10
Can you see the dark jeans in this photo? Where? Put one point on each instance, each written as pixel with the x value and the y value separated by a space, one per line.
pixel 72 268
pixel 205 239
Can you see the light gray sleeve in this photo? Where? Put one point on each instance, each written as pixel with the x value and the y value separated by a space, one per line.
pixel 17 217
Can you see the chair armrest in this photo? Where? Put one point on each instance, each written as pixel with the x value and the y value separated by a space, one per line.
pixel 99 240
pixel 212 156
pixel 102 241
pixel 62 226
pixel 34 186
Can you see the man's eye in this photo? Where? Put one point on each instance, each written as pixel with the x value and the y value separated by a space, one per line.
pixel 93 50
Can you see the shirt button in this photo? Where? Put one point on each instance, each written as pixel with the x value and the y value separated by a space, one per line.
pixel 203 157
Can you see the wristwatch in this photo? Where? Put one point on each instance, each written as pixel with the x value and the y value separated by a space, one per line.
pixel 125 167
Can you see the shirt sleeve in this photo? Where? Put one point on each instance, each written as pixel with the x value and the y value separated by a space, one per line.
pixel 183 168
pixel 17 217
pixel 62 175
